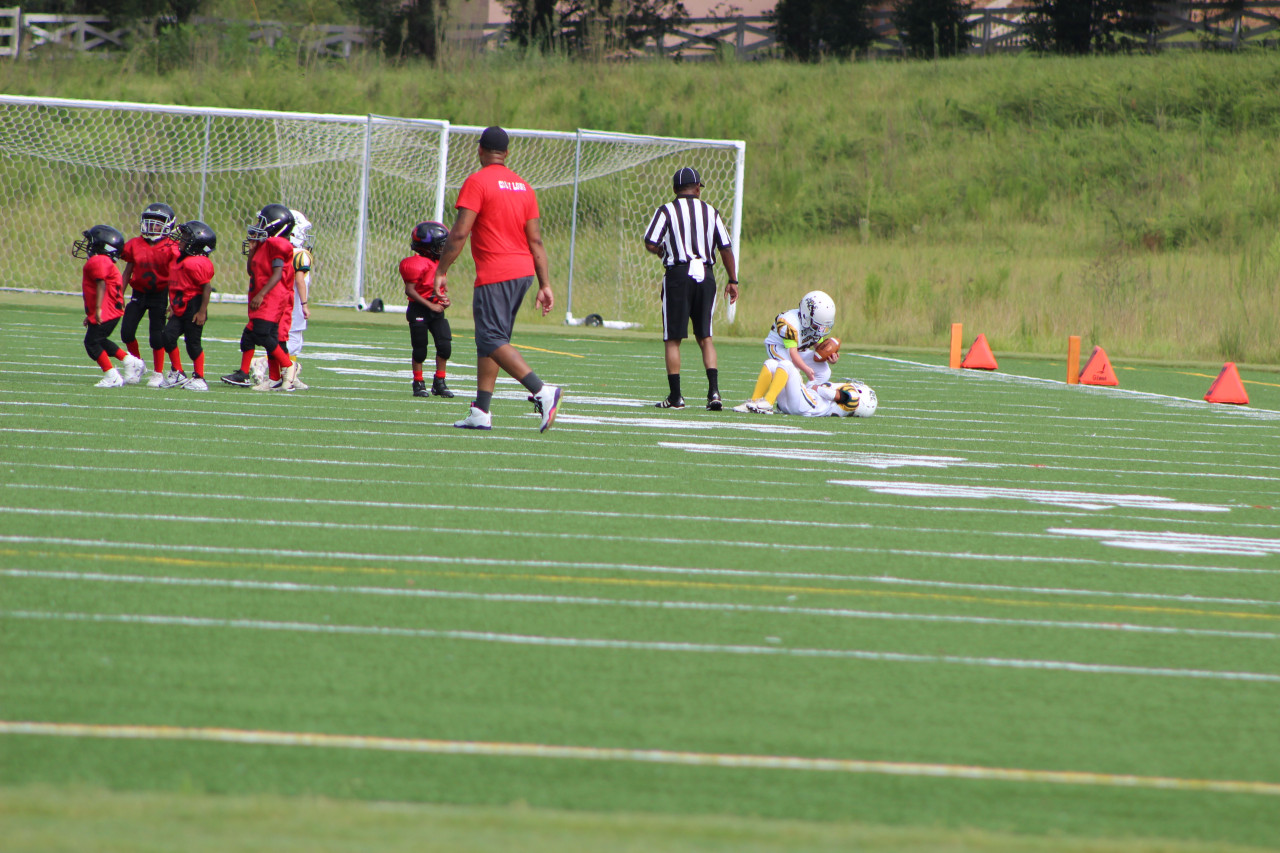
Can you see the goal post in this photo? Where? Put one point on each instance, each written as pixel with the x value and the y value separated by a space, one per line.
pixel 363 180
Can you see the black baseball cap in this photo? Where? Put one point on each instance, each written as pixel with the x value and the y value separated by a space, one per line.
pixel 684 177
pixel 494 139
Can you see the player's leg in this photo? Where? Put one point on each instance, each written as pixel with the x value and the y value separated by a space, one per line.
pixel 442 335
pixel 157 303
pixel 418 339
pixel 763 381
pixel 285 323
pixel 242 377
pixel 194 335
pixel 133 311
pixel 702 307
pixel 169 343
pixel 100 350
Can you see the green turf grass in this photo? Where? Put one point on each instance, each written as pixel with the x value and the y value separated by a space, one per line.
pixel 342 562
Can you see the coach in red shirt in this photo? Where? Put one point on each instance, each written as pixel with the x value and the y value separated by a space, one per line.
pixel 499 211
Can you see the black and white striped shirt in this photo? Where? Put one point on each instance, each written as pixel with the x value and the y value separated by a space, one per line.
pixel 687 228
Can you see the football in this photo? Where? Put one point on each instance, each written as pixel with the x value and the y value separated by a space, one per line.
pixel 826 348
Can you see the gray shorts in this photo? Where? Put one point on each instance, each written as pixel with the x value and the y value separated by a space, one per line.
pixel 494 308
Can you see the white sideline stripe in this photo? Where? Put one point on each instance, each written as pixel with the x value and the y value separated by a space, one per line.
pixel 635 756
pixel 641 604
pixel 827 457
pixel 1076 667
pixel 1181 543
pixel 1053 497
pixel 651 569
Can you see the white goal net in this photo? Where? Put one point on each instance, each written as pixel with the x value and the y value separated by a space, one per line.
pixel 364 181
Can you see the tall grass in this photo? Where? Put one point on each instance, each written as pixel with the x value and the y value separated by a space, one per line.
pixel 1130 199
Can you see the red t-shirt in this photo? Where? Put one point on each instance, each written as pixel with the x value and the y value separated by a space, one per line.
pixel 102 267
pixel 260 269
pixel 151 263
pixel 189 276
pixel 503 203
pixel 421 273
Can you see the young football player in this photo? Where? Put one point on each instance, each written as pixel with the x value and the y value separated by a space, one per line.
pixel 794 339
pixel 189 290
pixel 791 394
pixel 425 312
pixel 148 258
pixel 103 291
pixel 294 321
pixel 270 267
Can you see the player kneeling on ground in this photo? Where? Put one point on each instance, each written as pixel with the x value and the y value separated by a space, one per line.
pixel 190 285
pixel 103 290
pixel 426 305
pixel 796 335
pixel 788 393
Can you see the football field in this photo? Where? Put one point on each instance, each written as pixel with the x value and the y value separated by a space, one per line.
pixel 1001 607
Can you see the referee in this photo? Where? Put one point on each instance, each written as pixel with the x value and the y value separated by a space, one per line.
pixel 686 233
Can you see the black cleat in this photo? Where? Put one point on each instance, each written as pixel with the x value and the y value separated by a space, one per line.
pixel 713 402
pixel 420 388
pixel 240 378
pixel 439 389
pixel 668 403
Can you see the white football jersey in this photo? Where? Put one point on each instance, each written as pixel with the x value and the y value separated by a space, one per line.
pixel 786 335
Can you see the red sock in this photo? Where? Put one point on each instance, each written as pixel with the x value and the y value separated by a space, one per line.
pixel 133 347
pixel 104 361
pixel 417 375
pixel 175 359
pixel 280 356
pixel 199 366
pixel 157 360
pixel 273 370
pixel 439 374
pixel 246 361
pixel 121 355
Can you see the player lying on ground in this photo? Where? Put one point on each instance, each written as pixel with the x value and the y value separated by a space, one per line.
pixel 781 387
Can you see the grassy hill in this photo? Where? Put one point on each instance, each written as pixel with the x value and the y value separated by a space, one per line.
pixel 1132 200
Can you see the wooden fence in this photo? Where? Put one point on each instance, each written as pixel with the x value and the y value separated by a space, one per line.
pixel 1213 25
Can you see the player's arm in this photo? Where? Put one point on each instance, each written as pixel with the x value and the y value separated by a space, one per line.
pixel 533 235
pixel 205 295
pixel 799 362
pixel 277 273
pixel 458 235
pixel 126 275
pixel 302 286
pixel 411 292
pixel 101 284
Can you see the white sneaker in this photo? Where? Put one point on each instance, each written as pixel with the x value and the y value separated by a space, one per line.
pixel 298 384
pixel 547 401
pixel 267 384
pixel 476 419
pixel 110 379
pixel 290 374
pixel 134 367
pixel 761 406
pixel 745 407
pixel 197 383
pixel 258 370
pixel 155 380
pixel 174 379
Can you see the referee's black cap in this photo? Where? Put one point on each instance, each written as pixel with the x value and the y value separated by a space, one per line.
pixel 494 139
pixel 684 177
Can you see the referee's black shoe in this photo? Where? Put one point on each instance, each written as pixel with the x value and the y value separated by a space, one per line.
pixel 713 402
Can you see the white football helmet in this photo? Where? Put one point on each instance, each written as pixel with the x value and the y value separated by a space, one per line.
pixel 817 313
pixel 301 235
pixel 867 402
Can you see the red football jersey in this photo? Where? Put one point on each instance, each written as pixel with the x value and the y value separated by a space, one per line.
pixel 189 276
pixel 260 269
pixel 102 267
pixel 421 273
pixel 151 263
pixel 503 203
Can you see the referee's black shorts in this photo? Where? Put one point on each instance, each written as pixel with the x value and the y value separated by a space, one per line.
pixel 685 300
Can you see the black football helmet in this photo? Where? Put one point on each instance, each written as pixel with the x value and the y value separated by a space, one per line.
pixel 274 220
pixel 158 221
pixel 99 240
pixel 428 239
pixel 196 238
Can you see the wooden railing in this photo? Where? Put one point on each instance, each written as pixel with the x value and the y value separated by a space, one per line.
pixel 1223 25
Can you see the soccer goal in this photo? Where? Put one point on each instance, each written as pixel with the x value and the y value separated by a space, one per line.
pixel 364 181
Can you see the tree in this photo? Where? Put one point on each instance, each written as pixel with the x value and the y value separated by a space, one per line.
pixel 404 27
pixel 933 28
pixel 1078 26
pixel 812 29
pixel 583 26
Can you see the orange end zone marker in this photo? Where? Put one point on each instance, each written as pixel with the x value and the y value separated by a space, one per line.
pixel 1098 370
pixel 957 331
pixel 980 356
pixel 1228 388
pixel 1073 359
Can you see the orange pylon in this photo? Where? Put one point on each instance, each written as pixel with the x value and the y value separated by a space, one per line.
pixel 1098 370
pixel 1228 388
pixel 979 356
